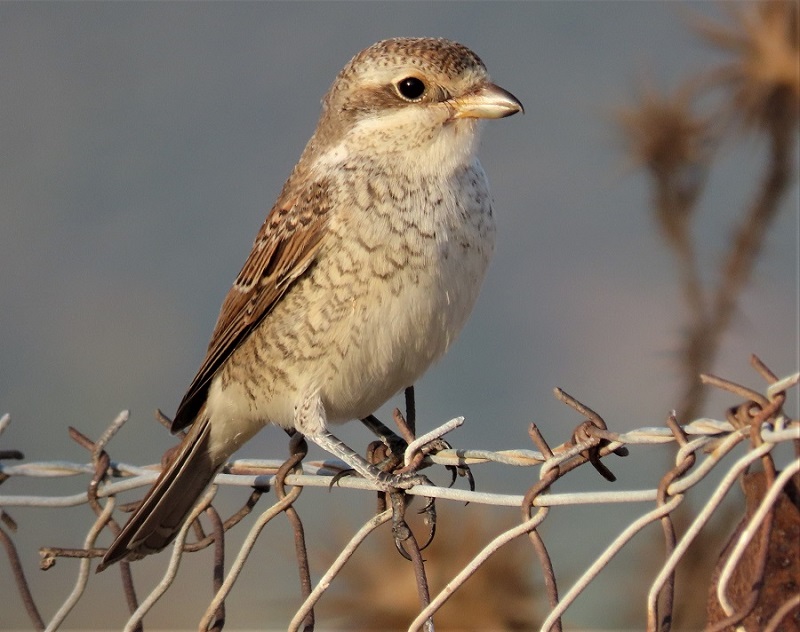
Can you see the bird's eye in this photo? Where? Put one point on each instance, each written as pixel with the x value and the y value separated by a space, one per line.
pixel 411 88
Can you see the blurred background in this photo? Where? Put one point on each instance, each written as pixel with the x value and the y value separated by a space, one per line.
pixel 143 144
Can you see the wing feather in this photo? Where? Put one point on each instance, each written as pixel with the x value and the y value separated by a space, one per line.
pixel 285 247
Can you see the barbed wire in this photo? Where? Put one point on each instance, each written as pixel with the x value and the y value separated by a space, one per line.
pixel 759 423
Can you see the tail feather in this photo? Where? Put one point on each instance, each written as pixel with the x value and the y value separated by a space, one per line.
pixel 172 497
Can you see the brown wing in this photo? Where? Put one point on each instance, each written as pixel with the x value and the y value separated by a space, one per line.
pixel 285 247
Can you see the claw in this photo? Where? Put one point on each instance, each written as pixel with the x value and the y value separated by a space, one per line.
pixel 402 550
pixel 340 475
pixel 400 529
pixel 429 503
pixel 468 473
pixel 401 533
pixel 429 520
pixel 453 474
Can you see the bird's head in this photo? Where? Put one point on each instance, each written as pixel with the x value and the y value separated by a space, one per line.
pixel 414 101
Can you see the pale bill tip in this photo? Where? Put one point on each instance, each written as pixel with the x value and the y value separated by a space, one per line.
pixel 490 102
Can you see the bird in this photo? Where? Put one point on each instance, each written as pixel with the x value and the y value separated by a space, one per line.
pixel 361 276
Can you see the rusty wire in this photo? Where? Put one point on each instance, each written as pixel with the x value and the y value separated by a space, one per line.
pixel 759 423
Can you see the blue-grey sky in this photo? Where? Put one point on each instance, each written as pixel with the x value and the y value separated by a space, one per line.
pixel 143 143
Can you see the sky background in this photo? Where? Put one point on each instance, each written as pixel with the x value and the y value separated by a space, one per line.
pixel 143 143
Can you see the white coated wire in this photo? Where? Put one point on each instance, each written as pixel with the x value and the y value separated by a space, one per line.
pixel 709 442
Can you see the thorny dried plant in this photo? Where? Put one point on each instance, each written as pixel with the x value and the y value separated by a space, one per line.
pixel 762 78
pixel 675 146
pixel 759 91
pixel 676 139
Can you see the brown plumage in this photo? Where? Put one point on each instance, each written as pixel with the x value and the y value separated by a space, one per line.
pixel 360 277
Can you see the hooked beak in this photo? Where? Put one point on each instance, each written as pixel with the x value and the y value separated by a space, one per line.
pixel 488 102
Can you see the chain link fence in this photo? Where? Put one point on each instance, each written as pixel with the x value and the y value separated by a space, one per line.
pixel 751 586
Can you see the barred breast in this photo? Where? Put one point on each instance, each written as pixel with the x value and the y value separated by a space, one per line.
pixel 390 291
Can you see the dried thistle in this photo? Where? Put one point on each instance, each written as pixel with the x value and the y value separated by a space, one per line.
pixel 760 87
pixel 764 75
pixel 675 145
pixel 762 84
pixel 665 136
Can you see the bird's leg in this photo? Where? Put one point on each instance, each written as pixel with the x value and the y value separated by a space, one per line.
pixel 397 445
pixel 309 418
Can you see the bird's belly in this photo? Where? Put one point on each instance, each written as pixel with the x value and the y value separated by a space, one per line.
pixel 396 331
pixel 355 343
pixel 384 300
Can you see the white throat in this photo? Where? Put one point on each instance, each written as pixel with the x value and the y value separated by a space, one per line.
pixel 410 141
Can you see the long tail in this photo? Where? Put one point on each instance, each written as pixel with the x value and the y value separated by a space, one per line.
pixel 166 506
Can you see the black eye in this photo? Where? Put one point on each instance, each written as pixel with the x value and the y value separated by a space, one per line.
pixel 411 88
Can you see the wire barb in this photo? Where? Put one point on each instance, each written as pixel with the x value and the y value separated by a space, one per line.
pixel 748 436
